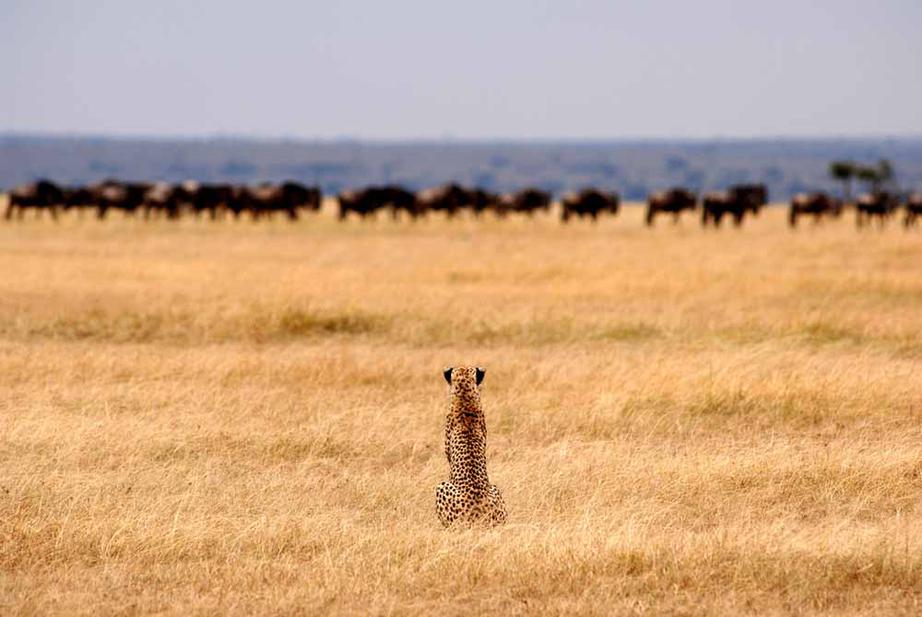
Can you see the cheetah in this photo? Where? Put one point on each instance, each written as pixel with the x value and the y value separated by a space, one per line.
pixel 467 496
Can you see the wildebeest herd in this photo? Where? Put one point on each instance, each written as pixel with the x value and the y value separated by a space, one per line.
pixel 161 199
pixel 289 199
pixel 879 206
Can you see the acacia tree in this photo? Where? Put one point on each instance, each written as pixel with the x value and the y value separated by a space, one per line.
pixel 885 173
pixel 879 176
pixel 844 172
pixel 869 174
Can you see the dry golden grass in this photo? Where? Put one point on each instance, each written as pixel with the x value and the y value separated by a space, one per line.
pixel 247 419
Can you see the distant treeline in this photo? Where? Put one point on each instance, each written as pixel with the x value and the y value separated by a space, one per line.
pixel 634 168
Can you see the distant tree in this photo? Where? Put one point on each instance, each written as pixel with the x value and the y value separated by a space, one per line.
pixel 885 173
pixel 869 174
pixel 844 172
pixel 880 176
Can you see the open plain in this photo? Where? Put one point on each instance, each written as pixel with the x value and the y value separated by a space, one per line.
pixel 215 417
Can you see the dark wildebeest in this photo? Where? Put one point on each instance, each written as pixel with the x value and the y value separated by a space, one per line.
pixel 266 199
pixel 735 201
pixel 210 198
pixel 79 199
pixel 167 198
pixel 528 201
pixel 588 202
pixel 398 199
pixel 288 197
pixel 674 201
pixel 913 209
pixel 482 200
pixel 818 205
pixel 305 197
pixel 115 195
pixel 880 204
pixel 362 202
pixel 448 198
pixel 755 195
pixel 41 195
pixel 366 202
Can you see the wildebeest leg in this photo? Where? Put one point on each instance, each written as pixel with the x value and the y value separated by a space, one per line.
pixel 675 218
pixel 738 219
pixel 54 212
pixel 10 206
pixel 651 212
pixel 292 214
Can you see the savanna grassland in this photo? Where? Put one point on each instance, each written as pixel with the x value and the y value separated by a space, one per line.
pixel 240 418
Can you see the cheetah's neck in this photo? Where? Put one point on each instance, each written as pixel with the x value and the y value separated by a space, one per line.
pixel 466 449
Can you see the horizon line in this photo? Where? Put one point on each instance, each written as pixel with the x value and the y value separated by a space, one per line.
pixel 449 139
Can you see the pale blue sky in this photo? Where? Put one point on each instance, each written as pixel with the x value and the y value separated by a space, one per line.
pixel 473 69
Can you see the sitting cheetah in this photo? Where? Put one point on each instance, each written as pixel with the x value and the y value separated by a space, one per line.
pixel 467 496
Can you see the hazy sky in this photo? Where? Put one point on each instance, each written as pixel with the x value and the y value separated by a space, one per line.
pixel 464 69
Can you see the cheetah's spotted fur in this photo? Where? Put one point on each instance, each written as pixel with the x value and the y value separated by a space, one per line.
pixel 467 496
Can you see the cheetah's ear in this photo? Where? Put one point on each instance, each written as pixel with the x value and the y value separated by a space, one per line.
pixel 479 375
pixel 447 374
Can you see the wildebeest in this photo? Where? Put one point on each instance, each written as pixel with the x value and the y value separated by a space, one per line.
pixel 674 201
pixel 588 202
pixel 735 201
pixel 115 195
pixel 306 197
pixel 817 204
pixel 756 195
pixel 913 209
pixel 367 201
pixel 264 200
pixel 880 205
pixel 448 198
pixel 715 204
pixel 361 202
pixel 482 200
pixel 79 199
pixel 40 195
pixel 166 198
pixel 399 199
pixel 528 200
pixel 211 198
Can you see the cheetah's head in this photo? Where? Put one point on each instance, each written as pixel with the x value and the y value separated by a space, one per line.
pixel 464 379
